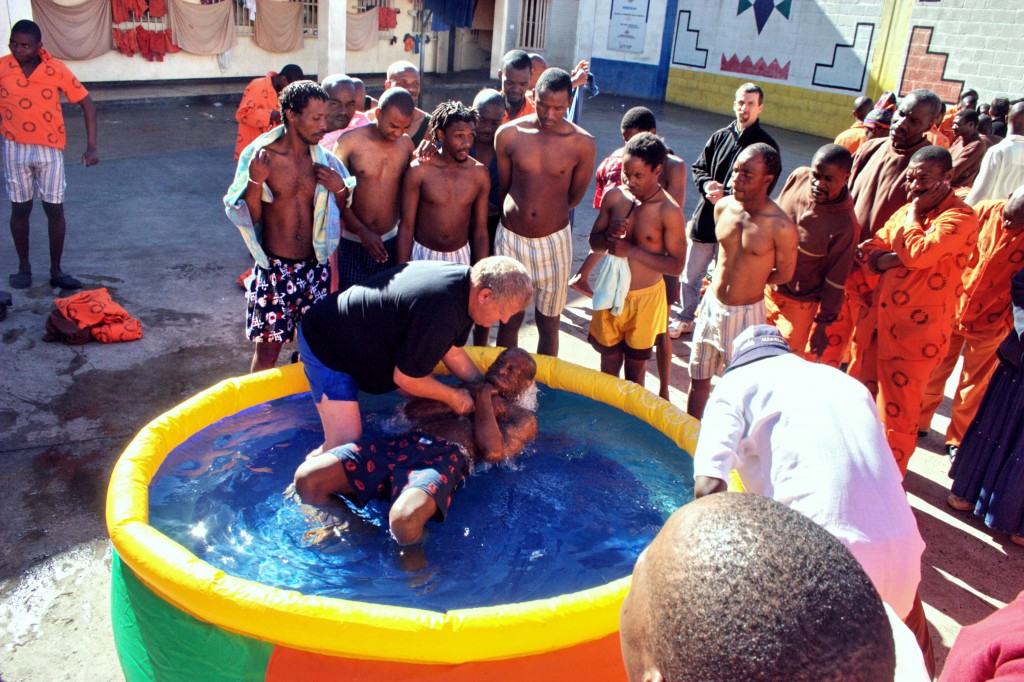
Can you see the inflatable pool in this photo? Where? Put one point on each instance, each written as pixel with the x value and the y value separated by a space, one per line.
pixel 179 617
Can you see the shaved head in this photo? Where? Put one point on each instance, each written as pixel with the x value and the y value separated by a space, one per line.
pixel 940 156
pixel 861 107
pixel 488 97
pixel 1015 119
pixel 397 98
pixel 834 155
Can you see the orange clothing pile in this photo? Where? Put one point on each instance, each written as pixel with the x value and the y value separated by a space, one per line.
pixel 124 8
pixel 901 337
pixel 984 316
pixel 853 137
pixel 94 310
pixel 31 106
pixel 253 115
pixel 152 45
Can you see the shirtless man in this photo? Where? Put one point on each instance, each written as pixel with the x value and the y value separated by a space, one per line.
pixel 291 271
pixel 544 166
pixel 406 76
pixel 642 229
pixel 444 198
pixel 419 471
pixel 515 76
pixel 757 246
pixel 377 155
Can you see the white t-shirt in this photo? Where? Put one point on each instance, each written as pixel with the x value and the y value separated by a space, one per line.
pixel 808 436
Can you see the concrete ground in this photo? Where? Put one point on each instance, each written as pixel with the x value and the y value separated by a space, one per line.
pixel 147 224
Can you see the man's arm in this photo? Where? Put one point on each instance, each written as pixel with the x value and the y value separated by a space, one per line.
pixel 458 363
pixel 785 251
pixel 90 157
pixel 480 244
pixel 598 240
pixel 583 170
pixel 718 448
pixel 458 399
pixel 674 239
pixel 410 206
pixel 675 178
pixel 503 153
pixel 259 172
pixel 485 425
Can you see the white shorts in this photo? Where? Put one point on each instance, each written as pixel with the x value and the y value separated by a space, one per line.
pixel 716 328
pixel 420 252
pixel 547 259
pixel 33 170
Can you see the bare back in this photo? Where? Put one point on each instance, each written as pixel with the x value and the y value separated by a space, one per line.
pixel 518 426
pixel 288 220
pixel 544 174
pixel 755 247
pixel 379 166
pixel 446 196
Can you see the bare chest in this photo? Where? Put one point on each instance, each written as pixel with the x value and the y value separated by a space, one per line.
pixel 291 178
pixel 379 164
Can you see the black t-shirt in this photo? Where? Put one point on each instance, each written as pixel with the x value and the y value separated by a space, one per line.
pixel 407 317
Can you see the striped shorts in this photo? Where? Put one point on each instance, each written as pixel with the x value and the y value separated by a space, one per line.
pixel 716 328
pixel 33 169
pixel 420 252
pixel 547 259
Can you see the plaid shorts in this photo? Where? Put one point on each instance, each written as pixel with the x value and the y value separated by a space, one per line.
pixel 356 265
pixel 33 169
pixel 547 259
pixel 277 298
pixel 716 329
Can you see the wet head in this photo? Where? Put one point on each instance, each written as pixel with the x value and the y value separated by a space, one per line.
pixel 395 114
pixel 512 373
pixel 913 117
pixel 830 169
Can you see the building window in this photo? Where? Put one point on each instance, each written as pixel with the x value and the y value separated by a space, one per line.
pixel 533 24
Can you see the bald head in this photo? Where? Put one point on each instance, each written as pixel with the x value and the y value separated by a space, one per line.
pixel 739 587
pixel 1015 119
pixel 862 106
pixel 538 65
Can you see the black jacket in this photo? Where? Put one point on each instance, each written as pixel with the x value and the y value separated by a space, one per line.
pixel 715 163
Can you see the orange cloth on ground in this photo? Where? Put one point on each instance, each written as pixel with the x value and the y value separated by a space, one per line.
pixel 827 235
pixel 902 335
pixel 935 137
pixel 984 317
pixel 853 137
pixel 967 160
pixel 528 108
pixel 106 321
pixel 876 186
pixel 253 114
pixel 31 106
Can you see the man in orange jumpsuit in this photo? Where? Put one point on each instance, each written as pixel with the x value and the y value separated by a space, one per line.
pixel 854 136
pixel 984 315
pixel 877 189
pixel 817 200
pixel 919 257
pixel 259 111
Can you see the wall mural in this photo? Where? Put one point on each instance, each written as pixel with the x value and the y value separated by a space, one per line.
pixel 816 45
pixel 926 69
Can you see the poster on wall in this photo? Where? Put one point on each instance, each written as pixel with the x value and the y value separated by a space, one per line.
pixel 627 28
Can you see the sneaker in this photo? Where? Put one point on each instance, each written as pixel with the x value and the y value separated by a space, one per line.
pixel 677 328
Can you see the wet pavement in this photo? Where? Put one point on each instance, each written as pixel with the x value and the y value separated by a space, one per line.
pixel 147 223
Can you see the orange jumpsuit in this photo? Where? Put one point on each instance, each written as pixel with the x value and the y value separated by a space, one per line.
pixel 528 108
pixel 946 127
pixel 853 137
pixel 253 115
pixel 827 235
pixel 877 190
pixel 984 317
pixel 935 137
pixel 902 335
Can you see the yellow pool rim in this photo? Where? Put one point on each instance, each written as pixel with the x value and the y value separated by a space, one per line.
pixel 339 627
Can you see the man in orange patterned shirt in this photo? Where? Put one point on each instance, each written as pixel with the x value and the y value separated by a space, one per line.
pixel 259 110
pixel 984 315
pixel 31 81
pixel 919 257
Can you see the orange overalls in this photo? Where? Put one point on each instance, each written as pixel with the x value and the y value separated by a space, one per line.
pixel 253 115
pixel 902 335
pixel 984 317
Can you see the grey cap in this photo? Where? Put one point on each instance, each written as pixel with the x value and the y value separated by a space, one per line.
pixel 757 342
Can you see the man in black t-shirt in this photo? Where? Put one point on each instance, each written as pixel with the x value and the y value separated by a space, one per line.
pixel 390 332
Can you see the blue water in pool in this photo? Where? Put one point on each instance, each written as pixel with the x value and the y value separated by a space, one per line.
pixel 572 512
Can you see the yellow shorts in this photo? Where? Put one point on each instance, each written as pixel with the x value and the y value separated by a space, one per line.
pixel 644 316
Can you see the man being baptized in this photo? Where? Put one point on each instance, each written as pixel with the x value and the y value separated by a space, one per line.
pixel 419 471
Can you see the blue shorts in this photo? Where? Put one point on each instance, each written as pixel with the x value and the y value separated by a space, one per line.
pixel 383 468
pixel 322 379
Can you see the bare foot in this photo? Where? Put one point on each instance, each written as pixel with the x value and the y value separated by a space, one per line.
pixel 578 283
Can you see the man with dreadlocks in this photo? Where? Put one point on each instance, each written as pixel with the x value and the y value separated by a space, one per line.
pixel 444 199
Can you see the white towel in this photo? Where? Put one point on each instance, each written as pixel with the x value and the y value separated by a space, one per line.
pixel 612 284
